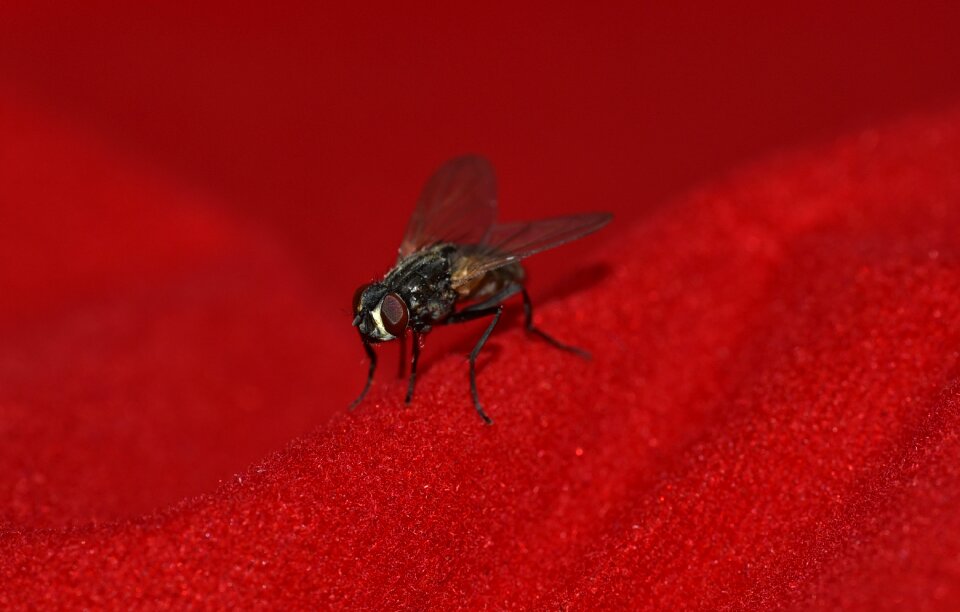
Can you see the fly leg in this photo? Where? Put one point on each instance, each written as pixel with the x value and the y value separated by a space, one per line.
pixel 473 366
pixel 467 315
pixel 417 341
pixel 402 365
pixel 528 312
pixel 372 355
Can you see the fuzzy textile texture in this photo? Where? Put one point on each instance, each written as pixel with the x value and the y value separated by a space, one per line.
pixel 770 418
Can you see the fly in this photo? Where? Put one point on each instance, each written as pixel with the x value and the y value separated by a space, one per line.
pixel 456 264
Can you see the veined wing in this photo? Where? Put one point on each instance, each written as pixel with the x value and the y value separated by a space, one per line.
pixel 458 204
pixel 511 242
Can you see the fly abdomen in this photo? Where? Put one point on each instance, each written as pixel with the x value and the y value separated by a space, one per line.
pixel 490 283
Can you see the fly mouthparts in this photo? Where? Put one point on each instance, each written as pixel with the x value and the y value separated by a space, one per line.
pixel 356 320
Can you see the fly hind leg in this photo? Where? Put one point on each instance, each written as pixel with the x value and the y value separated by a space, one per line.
pixel 528 313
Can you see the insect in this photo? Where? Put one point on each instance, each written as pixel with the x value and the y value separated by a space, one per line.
pixel 456 264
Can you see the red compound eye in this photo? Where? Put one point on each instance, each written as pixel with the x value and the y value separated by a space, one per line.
pixel 393 312
pixel 357 295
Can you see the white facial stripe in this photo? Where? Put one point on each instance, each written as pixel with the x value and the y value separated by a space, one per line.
pixel 382 332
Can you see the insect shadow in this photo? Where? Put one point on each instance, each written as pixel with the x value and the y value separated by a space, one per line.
pixel 462 341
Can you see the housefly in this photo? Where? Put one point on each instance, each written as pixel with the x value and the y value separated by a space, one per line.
pixel 457 264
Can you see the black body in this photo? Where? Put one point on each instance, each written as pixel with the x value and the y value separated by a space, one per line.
pixel 423 281
pixel 457 265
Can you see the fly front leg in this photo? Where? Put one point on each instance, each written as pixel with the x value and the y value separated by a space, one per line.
pixel 528 312
pixel 417 343
pixel 372 356
pixel 402 365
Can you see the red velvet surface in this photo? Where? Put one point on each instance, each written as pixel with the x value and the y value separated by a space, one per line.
pixel 186 205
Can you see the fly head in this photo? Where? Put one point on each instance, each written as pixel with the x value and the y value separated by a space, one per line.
pixel 379 314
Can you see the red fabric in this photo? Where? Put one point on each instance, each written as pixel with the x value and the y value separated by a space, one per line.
pixel 771 415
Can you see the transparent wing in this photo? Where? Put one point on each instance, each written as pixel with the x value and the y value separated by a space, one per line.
pixel 511 242
pixel 458 204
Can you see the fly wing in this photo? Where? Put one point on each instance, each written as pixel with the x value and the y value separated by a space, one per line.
pixel 511 242
pixel 458 204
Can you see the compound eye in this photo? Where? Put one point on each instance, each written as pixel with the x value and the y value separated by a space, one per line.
pixel 393 312
pixel 357 295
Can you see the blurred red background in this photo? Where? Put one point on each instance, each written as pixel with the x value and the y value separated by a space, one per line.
pixel 317 123
pixel 322 120
pixel 312 126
